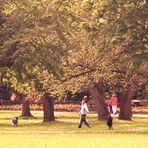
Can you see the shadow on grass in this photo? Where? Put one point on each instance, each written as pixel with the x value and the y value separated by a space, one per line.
pixel 73 117
pixel 7 122
pixel 58 127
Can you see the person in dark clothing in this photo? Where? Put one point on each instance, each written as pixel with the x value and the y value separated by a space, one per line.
pixel 15 121
pixel 109 121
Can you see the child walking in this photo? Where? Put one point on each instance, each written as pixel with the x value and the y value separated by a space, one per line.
pixel 83 112
pixel 109 122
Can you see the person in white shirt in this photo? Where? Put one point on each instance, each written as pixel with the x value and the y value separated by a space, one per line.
pixel 83 112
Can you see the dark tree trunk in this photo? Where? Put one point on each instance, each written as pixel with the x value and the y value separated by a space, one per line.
pixel 99 101
pixel 48 108
pixel 1 101
pixel 125 105
pixel 25 108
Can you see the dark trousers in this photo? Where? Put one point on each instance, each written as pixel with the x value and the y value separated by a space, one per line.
pixel 83 119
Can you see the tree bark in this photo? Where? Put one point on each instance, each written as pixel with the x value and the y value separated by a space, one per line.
pixel 99 101
pixel 1 101
pixel 25 108
pixel 125 105
pixel 48 108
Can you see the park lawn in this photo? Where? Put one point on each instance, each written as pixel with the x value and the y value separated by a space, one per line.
pixel 32 133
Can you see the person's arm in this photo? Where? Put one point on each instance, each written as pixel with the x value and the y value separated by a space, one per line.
pixel 86 108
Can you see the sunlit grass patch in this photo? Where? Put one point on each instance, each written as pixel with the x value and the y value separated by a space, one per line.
pixel 63 132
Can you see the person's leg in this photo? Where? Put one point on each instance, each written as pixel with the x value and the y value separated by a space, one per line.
pixel 81 121
pixel 110 127
pixel 86 123
pixel 111 109
pixel 114 108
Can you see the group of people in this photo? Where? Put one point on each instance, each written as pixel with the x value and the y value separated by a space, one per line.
pixel 112 107
pixel 84 110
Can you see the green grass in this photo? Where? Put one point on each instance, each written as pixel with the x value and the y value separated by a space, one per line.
pixel 33 133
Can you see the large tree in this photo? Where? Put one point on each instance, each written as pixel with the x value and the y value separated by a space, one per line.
pixel 36 43
pixel 127 79
pixel 71 42
pixel 109 28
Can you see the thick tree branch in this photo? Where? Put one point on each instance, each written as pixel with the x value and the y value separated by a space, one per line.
pixel 80 74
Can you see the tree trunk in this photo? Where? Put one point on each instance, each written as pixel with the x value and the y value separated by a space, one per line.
pixel 99 101
pixel 1 101
pixel 48 108
pixel 125 105
pixel 25 108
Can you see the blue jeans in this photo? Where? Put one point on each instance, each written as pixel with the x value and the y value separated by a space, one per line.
pixel 83 119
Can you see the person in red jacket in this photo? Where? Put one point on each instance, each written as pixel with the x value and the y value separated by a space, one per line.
pixel 114 102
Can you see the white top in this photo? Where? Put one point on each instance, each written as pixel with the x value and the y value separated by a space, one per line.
pixel 84 109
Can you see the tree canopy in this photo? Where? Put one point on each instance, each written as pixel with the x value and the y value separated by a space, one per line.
pixel 60 45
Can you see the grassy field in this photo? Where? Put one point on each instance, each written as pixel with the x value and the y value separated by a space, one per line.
pixel 32 133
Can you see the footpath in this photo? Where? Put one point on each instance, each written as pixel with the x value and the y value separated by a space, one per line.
pixel 90 113
pixel 95 114
pixel 135 115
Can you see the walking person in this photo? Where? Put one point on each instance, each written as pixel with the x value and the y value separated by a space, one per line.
pixel 114 102
pixel 84 110
pixel 109 122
